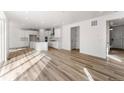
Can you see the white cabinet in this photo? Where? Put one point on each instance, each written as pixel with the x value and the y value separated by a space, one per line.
pixel 57 32
pixel 55 41
pixel 39 45
pixel 54 44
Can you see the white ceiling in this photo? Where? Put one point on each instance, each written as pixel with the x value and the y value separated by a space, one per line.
pixel 46 19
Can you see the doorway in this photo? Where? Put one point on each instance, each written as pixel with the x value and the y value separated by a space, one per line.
pixel 75 37
pixel 115 40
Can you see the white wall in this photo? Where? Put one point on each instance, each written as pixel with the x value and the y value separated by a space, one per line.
pixel 58 36
pixel 15 35
pixel 66 38
pixel 93 40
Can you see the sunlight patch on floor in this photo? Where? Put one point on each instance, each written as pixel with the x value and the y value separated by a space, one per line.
pixel 88 74
pixel 115 58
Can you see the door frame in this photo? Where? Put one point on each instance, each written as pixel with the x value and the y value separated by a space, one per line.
pixel 108 36
pixel 71 36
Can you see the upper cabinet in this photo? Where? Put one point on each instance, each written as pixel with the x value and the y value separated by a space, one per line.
pixel 57 32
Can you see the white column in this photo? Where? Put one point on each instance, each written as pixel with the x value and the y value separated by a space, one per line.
pixel 0 42
pixel 3 48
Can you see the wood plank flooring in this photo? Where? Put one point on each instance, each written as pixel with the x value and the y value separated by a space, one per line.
pixel 17 52
pixel 60 65
pixel 116 54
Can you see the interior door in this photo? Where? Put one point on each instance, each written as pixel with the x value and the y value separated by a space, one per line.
pixel 73 38
pixel 77 37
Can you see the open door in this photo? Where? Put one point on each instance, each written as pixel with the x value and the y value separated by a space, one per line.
pixel 75 38
pixel 115 40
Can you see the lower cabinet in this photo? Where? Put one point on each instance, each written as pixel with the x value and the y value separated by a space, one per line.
pixel 54 44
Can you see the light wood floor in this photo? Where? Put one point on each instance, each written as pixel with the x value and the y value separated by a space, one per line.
pixel 60 65
pixel 118 54
pixel 17 52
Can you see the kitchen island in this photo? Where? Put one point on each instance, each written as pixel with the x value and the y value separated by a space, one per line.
pixel 39 46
